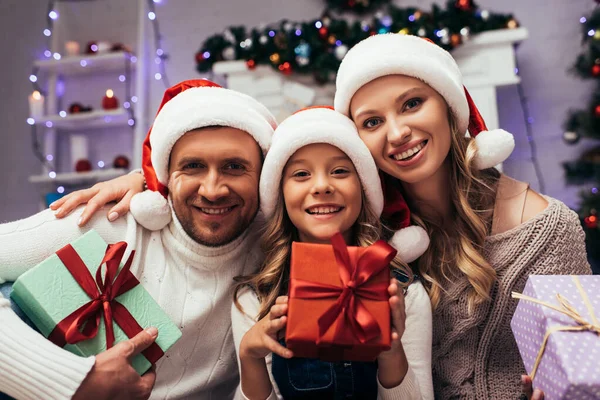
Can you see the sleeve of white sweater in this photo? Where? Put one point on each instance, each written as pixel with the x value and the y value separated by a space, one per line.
pixel 417 384
pixel 416 340
pixel 31 367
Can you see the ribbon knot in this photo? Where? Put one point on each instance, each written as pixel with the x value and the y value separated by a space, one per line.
pixel 356 321
pixel 83 323
pixel 567 309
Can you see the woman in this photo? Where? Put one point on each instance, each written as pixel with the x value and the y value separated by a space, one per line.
pixel 488 232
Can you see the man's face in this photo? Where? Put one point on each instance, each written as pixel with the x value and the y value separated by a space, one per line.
pixel 213 183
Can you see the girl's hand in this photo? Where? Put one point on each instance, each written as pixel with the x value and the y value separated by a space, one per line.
pixel 527 389
pixel 261 339
pixel 120 189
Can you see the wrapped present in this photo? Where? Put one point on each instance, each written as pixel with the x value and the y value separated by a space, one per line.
pixel 338 301
pixel 82 299
pixel 556 326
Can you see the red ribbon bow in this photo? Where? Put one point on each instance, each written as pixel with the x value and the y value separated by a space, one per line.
pixel 348 306
pixel 82 324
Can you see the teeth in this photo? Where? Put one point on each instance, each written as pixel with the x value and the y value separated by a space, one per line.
pixel 408 153
pixel 323 210
pixel 215 211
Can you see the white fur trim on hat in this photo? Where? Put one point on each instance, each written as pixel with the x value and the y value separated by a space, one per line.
pixel 317 125
pixel 493 147
pixel 410 242
pixel 390 54
pixel 206 106
pixel 151 210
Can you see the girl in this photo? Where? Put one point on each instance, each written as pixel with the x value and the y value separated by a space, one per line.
pixel 318 179
pixel 488 232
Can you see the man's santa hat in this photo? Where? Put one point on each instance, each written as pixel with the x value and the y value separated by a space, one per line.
pixel 321 124
pixel 390 54
pixel 187 106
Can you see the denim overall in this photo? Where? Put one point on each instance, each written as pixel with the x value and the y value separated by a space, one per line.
pixel 308 378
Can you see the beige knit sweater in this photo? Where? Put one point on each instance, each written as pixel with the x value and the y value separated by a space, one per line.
pixel 475 355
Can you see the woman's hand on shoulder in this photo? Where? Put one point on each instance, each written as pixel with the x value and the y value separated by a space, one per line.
pixel 261 339
pixel 120 189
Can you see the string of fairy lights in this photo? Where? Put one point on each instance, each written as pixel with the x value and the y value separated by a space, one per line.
pixel 36 77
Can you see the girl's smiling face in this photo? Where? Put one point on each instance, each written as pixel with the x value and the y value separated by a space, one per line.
pixel 322 193
pixel 404 123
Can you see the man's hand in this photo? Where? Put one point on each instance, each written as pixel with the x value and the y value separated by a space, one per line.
pixel 113 377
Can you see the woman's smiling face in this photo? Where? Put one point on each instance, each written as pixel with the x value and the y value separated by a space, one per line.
pixel 404 123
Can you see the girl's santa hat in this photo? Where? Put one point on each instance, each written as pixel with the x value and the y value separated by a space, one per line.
pixel 390 54
pixel 187 106
pixel 322 124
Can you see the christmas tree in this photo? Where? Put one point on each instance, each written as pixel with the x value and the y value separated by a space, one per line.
pixel 586 123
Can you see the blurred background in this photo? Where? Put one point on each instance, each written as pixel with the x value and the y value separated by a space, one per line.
pixel 82 79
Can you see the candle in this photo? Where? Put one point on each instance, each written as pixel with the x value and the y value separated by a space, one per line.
pixel 36 105
pixel 72 48
pixel 110 102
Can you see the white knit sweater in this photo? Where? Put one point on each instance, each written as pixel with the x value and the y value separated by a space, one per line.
pixel 416 340
pixel 189 281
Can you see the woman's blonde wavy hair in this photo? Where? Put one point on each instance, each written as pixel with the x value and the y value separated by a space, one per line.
pixel 456 249
pixel 272 279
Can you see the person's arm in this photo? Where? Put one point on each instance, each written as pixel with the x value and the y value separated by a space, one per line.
pixel 31 367
pixel 253 371
pixel 120 190
pixel 416 343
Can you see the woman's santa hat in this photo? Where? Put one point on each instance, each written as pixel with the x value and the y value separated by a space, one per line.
pixel 390 54
pixel 322 124
pixel 187 106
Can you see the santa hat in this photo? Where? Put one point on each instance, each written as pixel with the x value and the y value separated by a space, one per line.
pixel 187 106
pixel 322 124
pixel 390 54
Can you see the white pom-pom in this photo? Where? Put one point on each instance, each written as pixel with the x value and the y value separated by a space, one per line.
pixel 151 210
pixel 493 147
pixel 411 242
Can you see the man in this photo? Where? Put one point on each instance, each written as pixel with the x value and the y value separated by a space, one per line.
pixel 204 153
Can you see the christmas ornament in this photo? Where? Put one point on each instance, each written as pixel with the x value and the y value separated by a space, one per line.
pixel 597 110
pixel 302 50
pixel 465 33
pixel 103 47
pixel 464 5
pixel 199 57
pixel 121 161
pixel 455 39
pixel 251 64
pixel 228 35
pixel 83 165
pixel 274 58
pixel 323 32
pixel 571 137
pixel 340 51
pixel 229 53
pixel 91 48
pixel 422 32
pixel 591 222
pixel 331 40
pixel 512 24
pixel 263 40
pixel 76 108
pixel 109 101
pixel 596 70
pixel 286 68
pixel 404 31
pixel 302 61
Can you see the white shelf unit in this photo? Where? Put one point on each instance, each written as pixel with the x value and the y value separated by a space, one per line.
pixel 79 178
pixel 87 63
pixel 78 127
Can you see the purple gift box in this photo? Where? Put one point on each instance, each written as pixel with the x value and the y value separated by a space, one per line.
pixel 570 365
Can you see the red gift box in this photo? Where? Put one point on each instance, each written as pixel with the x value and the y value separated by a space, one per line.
pixel 338 305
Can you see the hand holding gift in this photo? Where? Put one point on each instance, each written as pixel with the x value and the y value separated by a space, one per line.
pixel 113 377
pixel 557 330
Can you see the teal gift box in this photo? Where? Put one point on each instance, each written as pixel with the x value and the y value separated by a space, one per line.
pixel 50 295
